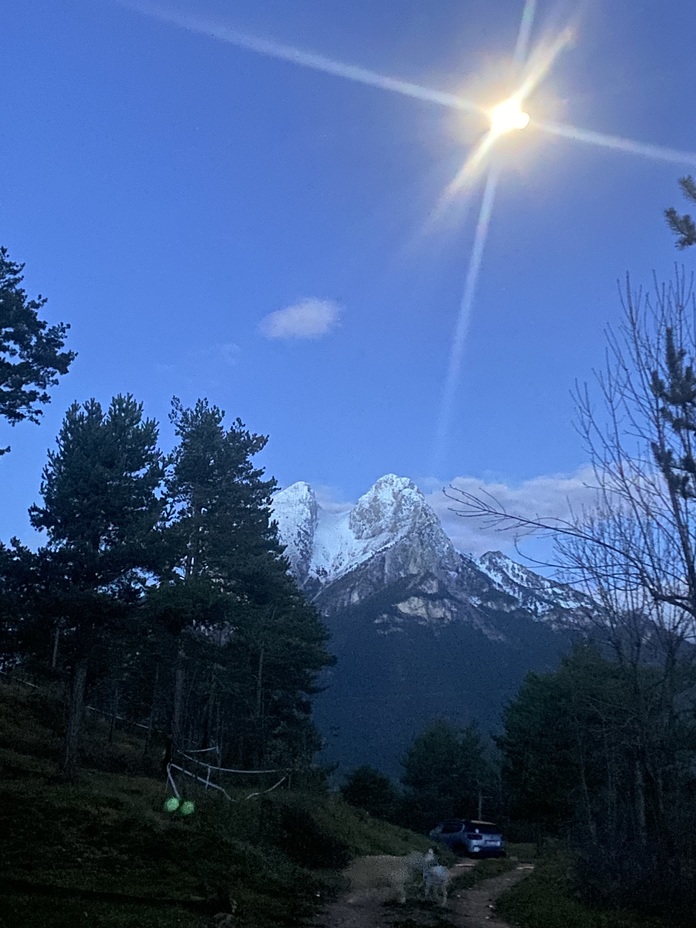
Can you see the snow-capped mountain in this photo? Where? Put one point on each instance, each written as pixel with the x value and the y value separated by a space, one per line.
pixel 323 546
pixel 544 598
pixel 419 629
pixel 392 534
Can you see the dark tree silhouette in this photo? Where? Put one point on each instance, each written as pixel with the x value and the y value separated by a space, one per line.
pixel 31 352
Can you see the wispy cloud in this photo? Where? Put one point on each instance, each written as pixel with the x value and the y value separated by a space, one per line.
pixel 330 498
pixel 308 318
pixel 228 353
pixel 225 353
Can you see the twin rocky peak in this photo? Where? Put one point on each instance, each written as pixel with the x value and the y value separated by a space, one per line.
pixel 392 540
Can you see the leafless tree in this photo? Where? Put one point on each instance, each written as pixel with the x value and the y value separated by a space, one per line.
pixel 635 550
pixel 634 553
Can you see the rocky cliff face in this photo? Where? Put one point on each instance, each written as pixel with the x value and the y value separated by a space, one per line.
pixel 419 629
pixel 390 538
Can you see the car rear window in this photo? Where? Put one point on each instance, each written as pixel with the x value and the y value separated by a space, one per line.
pixel 484 828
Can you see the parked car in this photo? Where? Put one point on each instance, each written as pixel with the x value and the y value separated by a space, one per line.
pixel 466 836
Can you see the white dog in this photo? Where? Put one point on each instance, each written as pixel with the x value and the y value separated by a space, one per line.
pixel 383 877
pixel 435 878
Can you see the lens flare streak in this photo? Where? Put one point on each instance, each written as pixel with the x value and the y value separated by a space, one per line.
pixel 306 59
pixel 525 31
pixel 464 316
pixel 645 149
pixel 540 63
pixel 533 68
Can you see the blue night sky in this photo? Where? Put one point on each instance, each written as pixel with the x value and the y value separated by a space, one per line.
pixel 171 192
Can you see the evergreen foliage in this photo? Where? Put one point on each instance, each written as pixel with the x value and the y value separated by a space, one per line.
pixel 240 615
pixel 594 751
pixel 162 591
pixel 368 789
pixel 683 226
pixel 675 390
pixel 445 773
pixel 100 512
pixel 31 352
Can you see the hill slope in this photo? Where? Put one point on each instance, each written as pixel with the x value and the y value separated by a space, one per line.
pixel 104 852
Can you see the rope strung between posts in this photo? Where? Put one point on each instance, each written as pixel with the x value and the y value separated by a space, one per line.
pixel 210 785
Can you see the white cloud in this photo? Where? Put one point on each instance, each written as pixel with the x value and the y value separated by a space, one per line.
pixel 330 498
pixel 309 318
pixel 550 496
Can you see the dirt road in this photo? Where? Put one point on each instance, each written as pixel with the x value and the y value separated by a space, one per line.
pixel 474 907
pixel 471 908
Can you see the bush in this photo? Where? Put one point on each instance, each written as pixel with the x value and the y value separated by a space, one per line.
pixel 366 788
pixel 636 877
pixel 306 843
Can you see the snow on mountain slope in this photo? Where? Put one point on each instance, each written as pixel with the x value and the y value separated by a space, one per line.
pixel 532 591
pixel 419 630
pixel 392 537
pixel 296 514
pixel 326 545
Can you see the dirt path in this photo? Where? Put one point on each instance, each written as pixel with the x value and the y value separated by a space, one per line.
pixel 471 908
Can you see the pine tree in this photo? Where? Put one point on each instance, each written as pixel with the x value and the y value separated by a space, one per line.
pixel 368 789
pixel 31 351
pixel 100 511
pixel 239 616
pixel 445 770
pixel 683 226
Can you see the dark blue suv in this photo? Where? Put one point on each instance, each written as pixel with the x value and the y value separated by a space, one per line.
pixel 466 836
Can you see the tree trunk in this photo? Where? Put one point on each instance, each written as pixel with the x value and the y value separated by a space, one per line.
pixel 73 727
pixel 151 717
pixel 114 712
pixel 589 818
pixel 175 731
pixel 641 825
pixel 259 709
pixel 209 715
pixel 54 655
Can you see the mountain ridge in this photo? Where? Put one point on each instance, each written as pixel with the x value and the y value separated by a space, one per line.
pixel 324 547
pixel 420 630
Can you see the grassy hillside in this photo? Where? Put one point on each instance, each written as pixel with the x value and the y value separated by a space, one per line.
pixel 103 852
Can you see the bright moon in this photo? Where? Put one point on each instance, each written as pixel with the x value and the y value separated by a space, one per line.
pixel 508 116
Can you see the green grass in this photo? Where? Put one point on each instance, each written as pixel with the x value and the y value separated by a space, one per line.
pixel 545 900
pixel 45 910
pixel 102 852
pixel 522 852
